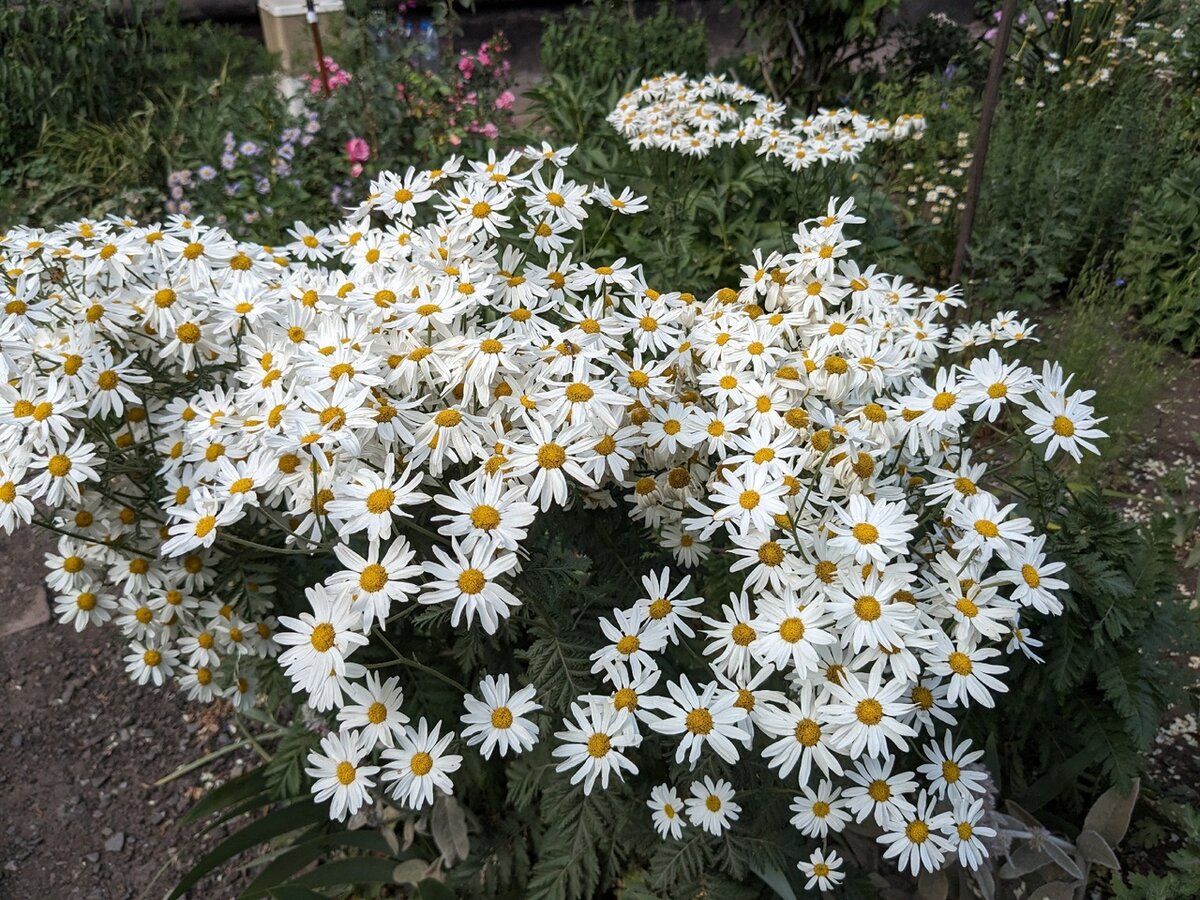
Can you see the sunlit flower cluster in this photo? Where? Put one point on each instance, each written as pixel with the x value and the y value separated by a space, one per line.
pixel 682 115
pixel 405 393
pixel 1083 43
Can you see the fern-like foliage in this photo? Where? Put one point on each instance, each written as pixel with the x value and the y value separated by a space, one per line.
pixel 1068 729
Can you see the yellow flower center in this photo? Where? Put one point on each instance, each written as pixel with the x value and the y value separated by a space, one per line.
pixel 551 456
pixel 579 393
pixel 598 745
pixel 869 711
pixel 380 501
pixel 986 528
pixel 1031 576
pixel 791 630
pixel 867 608
pixel 807 732
pixel 58 465
pixel 943 401
pixel 865 533
pixel 960 663
pixel 660 608
pixel 376 713
pixel 699 721
pixel 502 717
pixel 322 637
pixel 373 578
pixel 421 764
pixel 743 635
pixel 471 581
pixel 917 832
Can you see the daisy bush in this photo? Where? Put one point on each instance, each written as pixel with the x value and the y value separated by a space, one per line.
pixel 689 116
pixel 638 577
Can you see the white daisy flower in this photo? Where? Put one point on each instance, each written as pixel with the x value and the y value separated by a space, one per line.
pixel 500 721
pixel 913 839
pixel 419 764
pixel 711 805
pixel 339 775
pixel 320 640
pixel 822 869
pixel 470 580
pixel 819 811
pixel 668 811
pixel 702 718
pixel 592 743
pixel 375 710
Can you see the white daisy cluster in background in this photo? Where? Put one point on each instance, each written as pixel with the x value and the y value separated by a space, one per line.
pixel 400 397
pixel 682 115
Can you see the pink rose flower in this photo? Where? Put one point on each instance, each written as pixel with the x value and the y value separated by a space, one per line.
pixel 505 100
pixel 358 150
pixel 490 131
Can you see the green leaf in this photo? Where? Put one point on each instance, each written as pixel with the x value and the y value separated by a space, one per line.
pixel 281 821
pixel 287 892
pixel 432 889
pixel 293 860
pixel 775 880
pixel 251 784
pixel 356 870
pixel 1110 814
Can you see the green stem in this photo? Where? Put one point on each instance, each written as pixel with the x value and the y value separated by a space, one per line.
pixel 403 660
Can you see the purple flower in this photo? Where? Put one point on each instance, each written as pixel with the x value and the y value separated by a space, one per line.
pixel 207 173
pixel 249 148
pixel 950 71
pixel 1120 282
pixel 228 160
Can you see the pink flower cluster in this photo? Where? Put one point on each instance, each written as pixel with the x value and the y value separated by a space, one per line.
pixel 488 60
pixel 358 151
pixel 338 77
pixel 483 58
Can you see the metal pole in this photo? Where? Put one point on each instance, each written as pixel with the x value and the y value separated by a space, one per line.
pixel 311 16
pixel 991 95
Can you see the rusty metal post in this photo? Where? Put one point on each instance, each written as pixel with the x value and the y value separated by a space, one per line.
pixel 991 96
pixel 311 16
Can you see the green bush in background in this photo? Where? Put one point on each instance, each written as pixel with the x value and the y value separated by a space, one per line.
pixel 1160 262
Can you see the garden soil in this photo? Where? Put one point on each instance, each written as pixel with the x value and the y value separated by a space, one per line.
pixel 82 746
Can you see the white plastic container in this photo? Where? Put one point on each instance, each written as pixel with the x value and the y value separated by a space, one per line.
pixel 286 32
